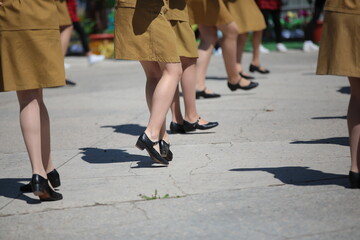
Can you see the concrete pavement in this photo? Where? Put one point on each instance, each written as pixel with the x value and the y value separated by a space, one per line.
pixel 275 168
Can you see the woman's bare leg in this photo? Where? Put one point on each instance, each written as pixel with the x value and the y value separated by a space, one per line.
pixel 241 40
pixel 159 94
pixel 228 44
pixel 353 119
pixel 35 126
pixel 65 35
pixel 208 39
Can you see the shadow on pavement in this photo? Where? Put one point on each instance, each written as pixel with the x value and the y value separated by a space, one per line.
pixel 131 129
pixel 342 141
pixel 216 78
pixel 10 188
pixel 344 90
pixel 331 117
pixel 102 156
pixel 302 176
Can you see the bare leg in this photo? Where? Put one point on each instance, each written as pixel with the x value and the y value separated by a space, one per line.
pixel 153 75
pixel 175 107
pixel 208 38
pixel 65 37
pixel 228 44
pixel 256 41
pixel 353 118
pixel 241 40
pixel 159 94
pixel 34 122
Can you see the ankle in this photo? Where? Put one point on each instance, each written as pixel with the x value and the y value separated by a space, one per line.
pixel 192 118
pixel 152 135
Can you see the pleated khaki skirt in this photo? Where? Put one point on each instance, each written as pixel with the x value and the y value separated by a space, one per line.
pixel 143 33
pixel 247 15
pixel 340 45
pixel 30 49
pixel 185 39
pixel 211 13
pixel 63 12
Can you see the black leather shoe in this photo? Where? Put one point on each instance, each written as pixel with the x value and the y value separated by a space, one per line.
pixel 234 87
pixel 193 126
pixel 253 68
pixel 165 150
pixel 203 94
pixel 246 76
pixel 144 142
pixel 176 128
pixel 354 179
pixel 40 187
pixel 54 179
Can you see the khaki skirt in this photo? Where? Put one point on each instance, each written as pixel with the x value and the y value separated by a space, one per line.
pixel 185 39
pixel 143 33
pixel 247 15
pixel 30 59
pixel 211 13
pixel 340 45
pixel 63 12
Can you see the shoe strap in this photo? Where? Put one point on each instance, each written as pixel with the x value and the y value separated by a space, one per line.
pixel 197 121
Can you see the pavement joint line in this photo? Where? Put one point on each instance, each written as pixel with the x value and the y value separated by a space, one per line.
pixel 97 141
pixel 97 204
pixel 8 203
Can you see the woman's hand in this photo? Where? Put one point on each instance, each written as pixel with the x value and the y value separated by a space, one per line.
pixel 0 4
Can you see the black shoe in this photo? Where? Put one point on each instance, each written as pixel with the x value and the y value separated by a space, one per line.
pixel 69 82
pixel 193 126
pixel 54 179
pixel 234 87
pixel 176 128
pixel 354 179
pixel 203 94
pixel 165 150
pixel 246 76
pixel 40 187
pixel 253 68
pixel 144 142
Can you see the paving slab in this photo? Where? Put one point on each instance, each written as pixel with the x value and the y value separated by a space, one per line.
pixel 275 168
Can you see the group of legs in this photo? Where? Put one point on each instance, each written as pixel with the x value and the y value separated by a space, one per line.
pixel 237 78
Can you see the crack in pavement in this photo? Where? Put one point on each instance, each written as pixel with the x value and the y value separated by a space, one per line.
pixel 203 166
pixel 177 186
pixel 141 210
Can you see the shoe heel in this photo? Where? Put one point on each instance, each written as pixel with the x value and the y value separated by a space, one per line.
pixel 55 183
pixel 232 87
pixel 38 189
pixel 140 145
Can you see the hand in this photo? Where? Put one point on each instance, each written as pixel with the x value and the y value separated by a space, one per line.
pixel 0 4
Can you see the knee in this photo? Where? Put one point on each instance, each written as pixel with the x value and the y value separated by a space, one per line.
pixel 209 39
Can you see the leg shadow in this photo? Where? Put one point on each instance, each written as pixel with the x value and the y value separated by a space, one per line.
pixel 10 188
pixel 342 141
pixel 302 176
pixel 103 156
pixel 344 90
pixel 130 129
pixel 331 117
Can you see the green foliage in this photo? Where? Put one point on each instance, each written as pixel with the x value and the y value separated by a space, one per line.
pixel 155 196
